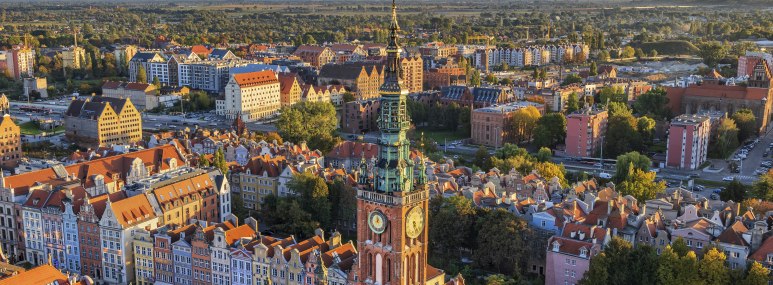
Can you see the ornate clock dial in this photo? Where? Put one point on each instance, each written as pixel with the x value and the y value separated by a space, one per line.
pixel 377 221
pixel 414 225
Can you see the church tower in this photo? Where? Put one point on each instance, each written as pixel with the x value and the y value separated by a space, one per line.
pixel 392 208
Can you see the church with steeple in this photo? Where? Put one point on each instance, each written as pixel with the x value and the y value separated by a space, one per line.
pixel 393 197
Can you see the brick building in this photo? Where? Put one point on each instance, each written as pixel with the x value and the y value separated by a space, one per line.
pixel 290 89
pixel 10 143
pixel 413 73
pixel 712 95
pixel 360 116
pixel 362 79
pixel 440 77
pixel 317 56
pixel 102 121
pixel 490 124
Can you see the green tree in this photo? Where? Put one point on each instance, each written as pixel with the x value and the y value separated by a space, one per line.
pixel 349 97
pixel 712 53
pixel 474 77
pixel 294 126
pixel 612 94
pixel 451 227
pixel 680 247
pixel 757 275
pixel 640 53
pixel 550 170
pixel 639 161
pixel 712 268
pixel 763 188
pixel 156 82
pixel 142 76
pixel 594 70
pixel 344 197
pixel 219 161
pixel 598 271
pixel 550 130
pixel 572 103
pixel 522 124
pixel 482 158
pixel 628 52
pixel 313 196
pixel 725 140
pixel 644 267
pixel 668 262
pixel 203 161
pixel 746 122
pixel 734 191
pixel 622 135
pixel 571 79
pixel 501 242
pixel 237 207
pixel 653 103
pixel 646 128
pixel 544 154
pixel 641 184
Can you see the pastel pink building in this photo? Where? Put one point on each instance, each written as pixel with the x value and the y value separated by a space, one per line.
pixel 688 141
pixel 584 132
pixel 568 259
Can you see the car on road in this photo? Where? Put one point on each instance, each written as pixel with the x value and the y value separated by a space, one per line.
pixel 598 164
pixel 605 175
pixel 700 187
pixel 714 196
pixel 727 178
pixel 695 175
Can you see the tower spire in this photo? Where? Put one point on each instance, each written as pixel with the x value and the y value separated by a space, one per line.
pixel 393 71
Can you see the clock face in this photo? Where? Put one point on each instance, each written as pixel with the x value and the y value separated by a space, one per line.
pixel 414 225
pixel 377 221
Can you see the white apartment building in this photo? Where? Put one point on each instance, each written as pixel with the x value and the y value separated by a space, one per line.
pixel 251 96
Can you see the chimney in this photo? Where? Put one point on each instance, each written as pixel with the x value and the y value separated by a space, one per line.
pixel 758 232
pixel 252 223
pixel 573 234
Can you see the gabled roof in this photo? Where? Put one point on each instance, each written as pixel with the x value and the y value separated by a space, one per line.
pixel 734 234
pixel 133 210
pixel 761 254
pixel 239 232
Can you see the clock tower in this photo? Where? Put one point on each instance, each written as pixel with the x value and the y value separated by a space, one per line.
pixel 392 207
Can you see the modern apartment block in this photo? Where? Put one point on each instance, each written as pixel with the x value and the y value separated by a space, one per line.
pixel 251 96
pixel 585 132
pixel 688 141
pixel 20 61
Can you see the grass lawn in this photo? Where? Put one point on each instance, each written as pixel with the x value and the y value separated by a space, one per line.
pixel 30 128
pixel 440 136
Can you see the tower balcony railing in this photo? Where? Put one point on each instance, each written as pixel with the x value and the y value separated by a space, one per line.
pixel 396 198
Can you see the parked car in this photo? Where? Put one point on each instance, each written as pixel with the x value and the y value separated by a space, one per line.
pixel 727 178
pixel 714 196
pixel 605 175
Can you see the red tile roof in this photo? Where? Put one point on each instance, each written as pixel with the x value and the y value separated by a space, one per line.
pixel 44 274
pixel 734 234
pixel 156 158
pixel 133 210
pixel 256 78
pixel 761 254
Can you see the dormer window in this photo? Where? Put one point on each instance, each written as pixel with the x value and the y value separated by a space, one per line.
pixel 556 245
pixel 583 252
